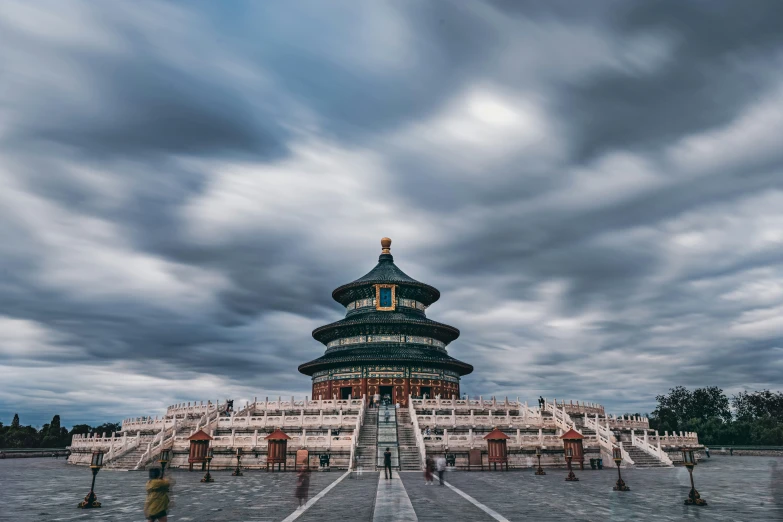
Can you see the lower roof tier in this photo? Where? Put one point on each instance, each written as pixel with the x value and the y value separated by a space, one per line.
pixel 385 323
pixel 390 354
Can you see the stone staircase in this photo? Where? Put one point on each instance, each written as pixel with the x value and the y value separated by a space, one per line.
pixel 128 460
pixel 368 440
pixel 410 460
pixel 642 459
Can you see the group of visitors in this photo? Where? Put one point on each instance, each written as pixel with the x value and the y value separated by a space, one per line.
pixel 429 432
pixel 158 488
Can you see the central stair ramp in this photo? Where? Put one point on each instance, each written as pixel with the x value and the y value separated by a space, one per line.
pixel 387 436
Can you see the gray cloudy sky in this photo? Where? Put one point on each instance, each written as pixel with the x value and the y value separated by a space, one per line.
pixel 596 188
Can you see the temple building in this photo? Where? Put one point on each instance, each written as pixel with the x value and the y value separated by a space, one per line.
pixel 386 345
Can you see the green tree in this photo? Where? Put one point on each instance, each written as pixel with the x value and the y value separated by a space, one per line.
pixel 15 422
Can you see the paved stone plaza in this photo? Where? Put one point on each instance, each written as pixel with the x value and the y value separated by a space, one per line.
pixel 737 489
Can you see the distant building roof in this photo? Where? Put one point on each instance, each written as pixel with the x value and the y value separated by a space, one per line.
pixel 200 435
pixel 278 434
pixel 571 435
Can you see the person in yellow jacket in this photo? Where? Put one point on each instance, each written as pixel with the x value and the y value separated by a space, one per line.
pixel 157 497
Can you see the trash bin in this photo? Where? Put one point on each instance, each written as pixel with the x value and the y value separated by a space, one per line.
pixel 600 463
pixel 593 463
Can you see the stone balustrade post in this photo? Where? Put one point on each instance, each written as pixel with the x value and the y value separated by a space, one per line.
pixel 519 438
pixel 445 437
pixel 508 418
pixel 470 437
pixel 301 418
pixel 321 417
pixel 340 418
pixel 454 418
pixel 540 437
pixel 645 437
pixel 304 438
pixel 471 418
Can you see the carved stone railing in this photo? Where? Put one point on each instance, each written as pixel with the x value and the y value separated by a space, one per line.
pixel 417 431
pixel 606 438
pixel 654 451
pixel 562 419
pixel 355 434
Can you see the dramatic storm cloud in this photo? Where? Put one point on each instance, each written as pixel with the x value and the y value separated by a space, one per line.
pixel 597 191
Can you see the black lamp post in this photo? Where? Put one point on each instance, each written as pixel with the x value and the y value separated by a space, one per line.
pixel 617 455
pixel 540 470
pixel 91 501
pixel 238 472
pixel 165 458
pixel 208 477
pixel 693 497
pixel 570 455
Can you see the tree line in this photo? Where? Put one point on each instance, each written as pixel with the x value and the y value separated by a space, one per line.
pixel 50 435
pixel 747 419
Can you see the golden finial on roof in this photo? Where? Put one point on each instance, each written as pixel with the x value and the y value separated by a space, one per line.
pixel 386 245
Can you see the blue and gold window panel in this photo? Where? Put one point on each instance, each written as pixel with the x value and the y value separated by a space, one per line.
pixel 385 298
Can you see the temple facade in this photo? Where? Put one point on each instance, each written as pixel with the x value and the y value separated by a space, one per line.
pixel 386 345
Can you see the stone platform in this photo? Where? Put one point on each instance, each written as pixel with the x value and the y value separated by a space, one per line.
pixel 737 488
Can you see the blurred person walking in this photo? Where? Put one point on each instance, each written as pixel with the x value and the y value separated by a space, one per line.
pixel 157 503
pixel 429 467
pixel 302 485
pixel 440 466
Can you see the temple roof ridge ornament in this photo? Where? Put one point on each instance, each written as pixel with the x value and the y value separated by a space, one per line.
pixel 386 272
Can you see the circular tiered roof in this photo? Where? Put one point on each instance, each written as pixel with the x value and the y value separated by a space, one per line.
pixel 369 335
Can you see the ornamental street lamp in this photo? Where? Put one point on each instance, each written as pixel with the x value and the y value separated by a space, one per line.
pixel 165 458
pixel 540 470
pixel 690 462
pixel 238 472
pixel 569 454
pixel 208 458
pixel 91 501
pixel 617 455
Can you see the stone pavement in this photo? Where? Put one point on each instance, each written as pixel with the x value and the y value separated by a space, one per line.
pixel 391 501
pixel 737 489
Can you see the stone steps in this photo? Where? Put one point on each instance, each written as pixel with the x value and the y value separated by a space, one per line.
pixel 127 461
pixel 368 439
pixel 410 460
pixel 642 459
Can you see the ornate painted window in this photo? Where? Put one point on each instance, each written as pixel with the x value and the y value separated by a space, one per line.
pixel 385 298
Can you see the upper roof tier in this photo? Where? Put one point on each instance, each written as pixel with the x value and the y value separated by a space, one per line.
pixel 386 272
